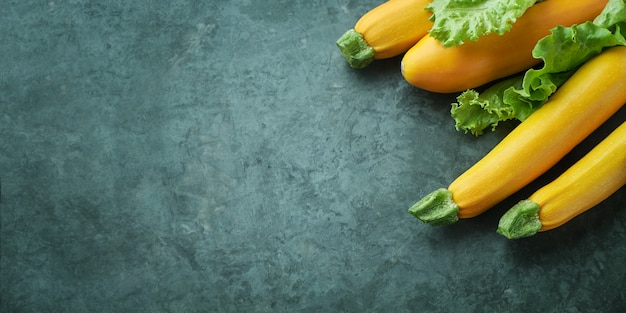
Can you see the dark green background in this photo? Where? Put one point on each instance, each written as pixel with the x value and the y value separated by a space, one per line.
pixel 220 156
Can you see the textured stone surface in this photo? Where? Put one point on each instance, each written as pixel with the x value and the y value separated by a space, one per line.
pixel 220 156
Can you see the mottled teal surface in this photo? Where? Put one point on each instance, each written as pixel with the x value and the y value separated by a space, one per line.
pixel 220 156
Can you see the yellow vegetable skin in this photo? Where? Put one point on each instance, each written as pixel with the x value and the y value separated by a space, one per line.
pixel 593 94
pixel 386 31
pixel 588 182
pixel 430 66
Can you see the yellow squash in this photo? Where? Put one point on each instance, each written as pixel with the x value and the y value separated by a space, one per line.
pixel 588 182
pixel 593 94
pixel 430 66
pixel 386 31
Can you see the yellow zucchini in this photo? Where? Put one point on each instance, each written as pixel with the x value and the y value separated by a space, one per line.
pixel 588 182
pixel 593 94
pixel 430 66
pixel 386 31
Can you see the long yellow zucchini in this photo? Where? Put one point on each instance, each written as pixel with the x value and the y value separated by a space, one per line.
pixel 588 182
pixel 593 94
pixel 386 31
pixel 430 66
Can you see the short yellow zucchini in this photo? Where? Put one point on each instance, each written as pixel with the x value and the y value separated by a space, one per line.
pixel 386 31
pixel 593 94
pixel 585 184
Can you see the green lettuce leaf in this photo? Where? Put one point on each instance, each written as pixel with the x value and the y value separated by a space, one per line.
pixel 458 20
pixel 562 53
pixel 480 111
pixel 613 14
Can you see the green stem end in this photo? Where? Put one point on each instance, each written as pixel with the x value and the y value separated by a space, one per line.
pixel 355 49
pixel 437 208
pixel 522 220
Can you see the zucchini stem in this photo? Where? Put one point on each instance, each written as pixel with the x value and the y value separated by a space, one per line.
pixel 437 208
pixel 355 49
pixel 522 220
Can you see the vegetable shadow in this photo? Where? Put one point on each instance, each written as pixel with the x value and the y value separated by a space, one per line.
pixel 378 69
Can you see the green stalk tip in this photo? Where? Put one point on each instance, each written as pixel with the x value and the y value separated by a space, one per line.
pixel 522 220
pixel 355 49
pixel 437 208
